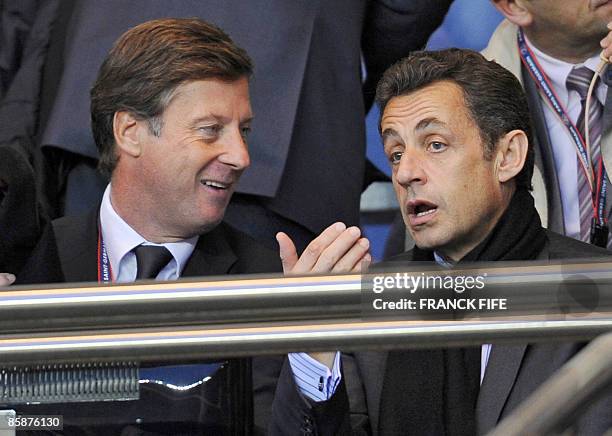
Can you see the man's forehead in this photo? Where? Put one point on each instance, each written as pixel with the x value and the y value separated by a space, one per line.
pixel 424 107
pixel 212 98
pixel 423 124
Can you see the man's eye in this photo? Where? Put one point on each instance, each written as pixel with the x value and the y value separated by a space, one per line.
pixel 210 130
pixel 436 147
pixel 245 132
pixel 395 157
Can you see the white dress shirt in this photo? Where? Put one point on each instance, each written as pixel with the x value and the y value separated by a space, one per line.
pixel 564 150
pixel 120 239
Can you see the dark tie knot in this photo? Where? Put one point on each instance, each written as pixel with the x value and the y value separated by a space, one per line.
pixel 150 260
pixel 579 80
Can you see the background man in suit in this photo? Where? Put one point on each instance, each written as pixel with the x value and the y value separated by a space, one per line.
pixel 457 134
pixel 564 40
pixel 170 114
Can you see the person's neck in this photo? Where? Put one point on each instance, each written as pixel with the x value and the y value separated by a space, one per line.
pixel 129 208
pixel 562 48
pixel 455 254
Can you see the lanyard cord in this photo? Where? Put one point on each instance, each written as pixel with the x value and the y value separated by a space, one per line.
pixel 598 71
pixel 597 179
pixel 105 271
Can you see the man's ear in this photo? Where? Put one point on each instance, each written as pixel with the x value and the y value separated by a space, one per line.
pixel 516 11
pixel 511 155
pixel 127 132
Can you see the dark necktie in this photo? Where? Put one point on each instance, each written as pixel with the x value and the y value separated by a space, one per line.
pixel 150 260
pixel 579 80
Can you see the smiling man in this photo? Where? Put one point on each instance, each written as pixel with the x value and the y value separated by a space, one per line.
pixel 456 131
pixel 170 114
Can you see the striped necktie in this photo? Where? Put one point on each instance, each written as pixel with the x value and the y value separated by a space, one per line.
pixel 579 80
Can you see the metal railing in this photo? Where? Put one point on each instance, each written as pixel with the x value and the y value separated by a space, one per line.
pixel 251 315
pixel 265 314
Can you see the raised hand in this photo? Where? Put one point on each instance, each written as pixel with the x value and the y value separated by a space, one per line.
pixel 337 249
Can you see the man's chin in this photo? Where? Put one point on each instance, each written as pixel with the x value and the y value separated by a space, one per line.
pixel 427 242
pixel 209 224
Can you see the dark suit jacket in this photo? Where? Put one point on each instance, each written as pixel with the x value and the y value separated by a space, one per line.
pixel 513 373
pixel 68 248
pixel 67 252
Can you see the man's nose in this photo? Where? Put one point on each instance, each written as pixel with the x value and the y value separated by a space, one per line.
pixel 235 151
pixel 410 169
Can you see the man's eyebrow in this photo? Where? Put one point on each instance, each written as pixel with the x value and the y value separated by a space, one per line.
pixel 204 119
pixel 388 133
pixel 219 119
pixel 429 122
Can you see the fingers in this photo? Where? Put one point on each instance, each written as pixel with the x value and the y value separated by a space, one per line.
pixel 363 263
pixel 606 44
pixel 286 251
pixel 6 279
pixel 315 249
pixel 352 257
pixel 337 249
pixel 338 252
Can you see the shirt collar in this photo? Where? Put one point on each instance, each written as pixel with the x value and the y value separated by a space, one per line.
pixel 558 70
pixel 443 261
pixel 119 238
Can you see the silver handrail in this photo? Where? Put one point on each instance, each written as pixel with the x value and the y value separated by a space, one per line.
pixel 249 315
pixel 535 289
pixel 184 344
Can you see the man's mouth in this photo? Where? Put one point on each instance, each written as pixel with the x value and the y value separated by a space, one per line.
pixel 598 3
pixel 420 211
pixel 214 184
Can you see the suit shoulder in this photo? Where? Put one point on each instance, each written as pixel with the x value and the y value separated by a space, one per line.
pixel 65 252
pixel 563 247
pixel 253 256
pixel 43 265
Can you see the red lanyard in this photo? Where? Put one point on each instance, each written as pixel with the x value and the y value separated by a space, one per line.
pixel 595 176
pixel 105 271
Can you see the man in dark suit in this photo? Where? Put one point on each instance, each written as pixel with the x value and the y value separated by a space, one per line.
pixel 309 96
pixel 457 133
pixel 170 113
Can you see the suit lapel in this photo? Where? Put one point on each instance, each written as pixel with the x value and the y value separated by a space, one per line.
pixel 502 370
pixel 77 246
pixel 546 183
pixel 372 365
pixel 212 255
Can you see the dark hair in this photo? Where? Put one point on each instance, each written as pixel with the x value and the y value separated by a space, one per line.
pixel 147 64
pixel 494 97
